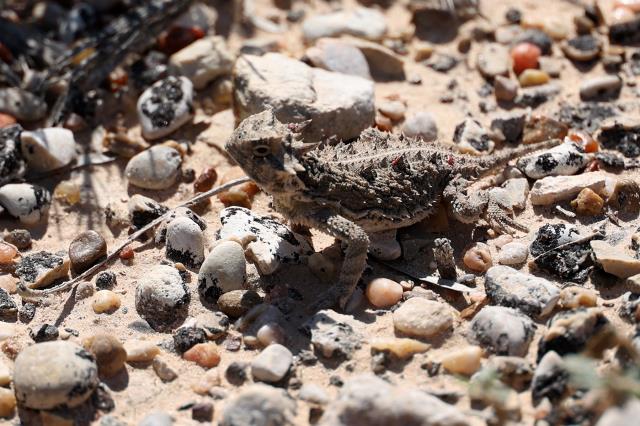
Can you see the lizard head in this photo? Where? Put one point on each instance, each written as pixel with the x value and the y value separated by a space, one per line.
pixel 266 150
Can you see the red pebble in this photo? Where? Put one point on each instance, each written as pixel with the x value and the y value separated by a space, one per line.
pixel 126 253
pixel 177 38
pixel 525 56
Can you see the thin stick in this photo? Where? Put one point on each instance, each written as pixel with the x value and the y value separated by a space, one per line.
pixel 27 293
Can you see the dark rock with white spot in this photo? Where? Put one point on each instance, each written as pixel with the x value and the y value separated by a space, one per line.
pixel 565 159
pixel 48 149
pixel 471 137
pixel 605 87
pixel 551 378
pixel 421 125
pixel 21 104
pixel 570 332
pixel 274 244
pixel 369 400
pixel 42 268
pixel 362 22
pixel 272 364
pixel 621 134
pixel 54 374
pixel 186 337
pixel 165 106
pixel 334 334
pixel 8 308
pixel 143 210
pixel 259 405
pixel 27 202
pixel 185 242
pixel 509 126
pixel 87 249
pixel 629 307
pixel 223 270
pixel 503 331
pixel 531 295
pixel 162 297
pixel 44 333
pixel 338 56
pixel 573 262
pixel 12 164
pixel 106 280
pixel 537 95
pixel 184 212
pixel 155 168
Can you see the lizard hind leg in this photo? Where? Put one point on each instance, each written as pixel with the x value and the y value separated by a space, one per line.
pixel 499 218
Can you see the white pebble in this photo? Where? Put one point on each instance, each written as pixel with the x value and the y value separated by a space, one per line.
pixel 513 253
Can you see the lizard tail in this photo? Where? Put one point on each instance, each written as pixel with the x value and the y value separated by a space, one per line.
pixel 500 159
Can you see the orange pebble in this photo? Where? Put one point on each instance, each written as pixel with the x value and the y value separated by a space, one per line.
pixel 525 56
pixel 204 354
pixel 7 253
pixel 6 120
pixel 126 253
pixel 584 140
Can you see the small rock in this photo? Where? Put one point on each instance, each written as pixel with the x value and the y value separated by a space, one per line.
pixel 532 295
pixel 509 126
pixel 140 351
pixel 106 280
pixel 465 360
pixel 48 149
pixel 513 254
pixel 551 378
pixel 621 134
pixel 421 125
pixel 44 333
pixel 157 419
pixel 223 270
pixel 401 348
pixel 21 104
pixel 505 89
pixel 163 369
pixel 42 268
pixel 626 196
pixel 537 95
pixel 614 260
pixel 629 307
pixel 236 373
pixel 537 37
pixel 582 48
pixel 214 324
pixel 7 402
pixel 564 159
pixel 165 106
pixel 442 63
pixel 503 331
pixel 87 249
pixel 185 338
pixel 21 238
pixel 588 203
pixel 271 333
pixel 5 375
pixel 108 351
pixel 205 355
pixel 576 297
pixel 493 60
pixel 478 258
pixel 259 404
pixel 515 372
pixel 383 63
pixel 392 108
pixel 422 318
pixel 105 301
pixel 185 242
pixel 272 364
pixel 162 298
pixel 383 292
pixel 206 381
pixel 203 61
pixel 360 22
pixel 601 88
pixel 29 203
pixel 333 334
pixel 471 137
pixel 8 308
pixel 84 290
pixel 156 168
pixel 12 165
pixel 337 56
pixel 554 189
pixel 202 412
pixel 533 77
pixel 74 370
pixel 540 128
pixel 27 312
pixel 314 394
pixel 143 210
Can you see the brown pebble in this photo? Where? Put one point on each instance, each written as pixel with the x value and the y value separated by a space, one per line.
pixel 575 297
pixel 87 249
pixel 478 258
pixel 105 301
pixel 204 354
pixel 533 77
pixel 588 203
pixel 7 253
pixel 7 402
pixel 109 352
pixel 383 292
pixel 206 180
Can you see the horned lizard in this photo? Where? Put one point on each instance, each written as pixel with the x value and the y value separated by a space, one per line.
pixel 361 190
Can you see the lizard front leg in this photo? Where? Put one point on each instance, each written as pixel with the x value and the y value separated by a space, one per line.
pixel 355 257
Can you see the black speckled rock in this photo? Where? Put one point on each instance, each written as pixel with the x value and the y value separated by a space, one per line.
pixel 12 165
pixel 186 337
pixel 8 308
pixel 42 268
pixel 44 333
pixel 106 280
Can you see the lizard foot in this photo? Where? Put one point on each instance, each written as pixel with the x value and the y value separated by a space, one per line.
pixel 500 220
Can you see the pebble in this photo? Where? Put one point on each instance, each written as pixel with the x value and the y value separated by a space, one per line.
pixel 384 64
pixel 105 301
pixel 493 60
pixel 165 106
pixel 21 104
pixel 400 347
pixel 529 294
pixel 8 308
pixel 108 351
pixel 537 95
pixel 155 168
pixel 203 61
pixel 223 270
pixel 140 351
pixel 564 159
pixel 505 89
pixel 259 404
pixel 313 393
pixel 7 253
pixel 540 128
pixel 143 210
pixel 87 249
pixel 202 412
pixel 12 165
pixel 272 364
pixel 371 400
pixel 575 297
pixel 214 324
pixel 24 201
pixel 582 48
pixel 478 258
pixel 599 88
pixel 383 292
pixel 27 312
pixel 422 318
pixel 163 370
pixel 50 374
pixel 337 56
pixel 162 298
pixel 471 137
pixel 7 402
pixel 361 22
pixel 629 307
pixel 552 189
pixel 41 268
pixel 503 331
pixel 551 378
pixel 337 104
pixel 271 243
pixel 44 333
pixel 513 254
pixel 509 125
pixel 614 260
pixel 205 355
pixel 106 280
pixel 185 338
pixel 334 334
pixel 206 381
pixel 271 333
pixel 157 419
pixel 525 56
pixel 236 373
pixel 5 374
pixel 21 238
pixel 465 360
pixel 421 125
pixel 533 77
pixel 552 66
pixel 48 149
pixel 588 203
pixel 394 109
pixel 536 37
pixel 626 196
pixel 185 242
pixel 513 371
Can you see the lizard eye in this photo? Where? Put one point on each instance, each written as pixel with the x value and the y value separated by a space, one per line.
pixel 261 150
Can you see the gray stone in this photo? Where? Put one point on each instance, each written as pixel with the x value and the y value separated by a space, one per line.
pixel 223 270
pixel 503 331
pixel 48 149
pixel 509 126
pixel 604 87
pixel 87 249
pixel 185 242
pixel 12 165
pixel 493 60
pixel 367 400
pixel 338 56
pixel 21 104
pixel 421 125
pixel 236 303
pixel 423 318
pixel 155 168
pixel 29 203
pixel 553 189
pixel 537 95
pixel 272 364
pixel 214 324
pixel 162 298
pixel 165 106
pixel 513 253
pixel 259 405
pixel 54 374
pixel 384 63
pixel 471 137
pixel 532 295
pixel 156 419
pixel 203 61
pixel 337 104
pixel 360 22
pixel 512 194
pixel 333 334
pixel 550 379
pixel 313 393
